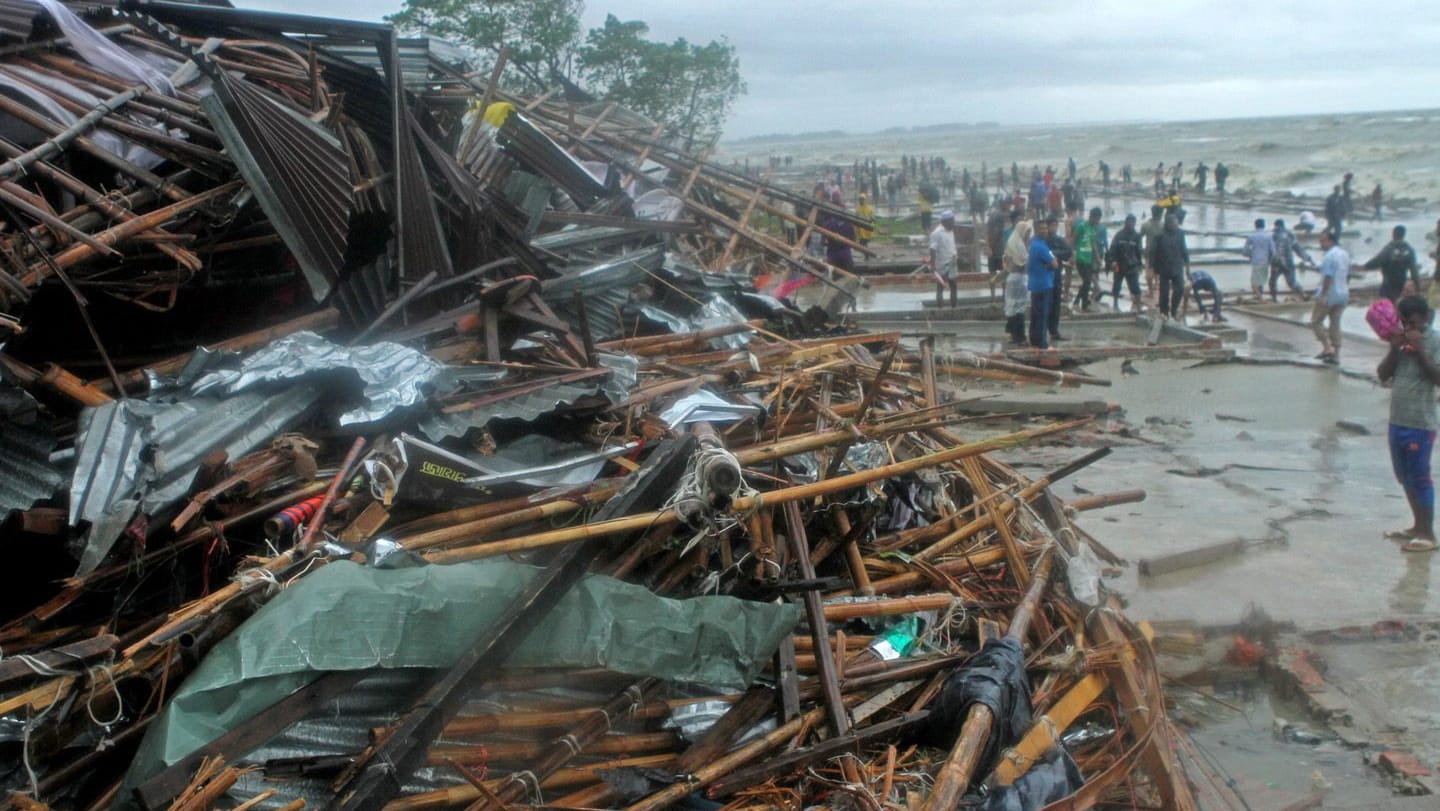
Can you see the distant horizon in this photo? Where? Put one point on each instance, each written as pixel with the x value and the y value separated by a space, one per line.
pixel 1000 125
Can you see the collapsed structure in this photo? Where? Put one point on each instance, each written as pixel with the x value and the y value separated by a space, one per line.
pixel 492 481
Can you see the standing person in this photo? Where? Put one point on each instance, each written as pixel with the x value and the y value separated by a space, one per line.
pixel 995 238
pixel 1090 244
pixel 864 211
pixel 1054 199
pixel 1126 174
pixel 1259 249
pixel 1334 212
pixel 1348 194
pixel 1202 282
pixel 1126 259
pixel 1396 262
pixel 837 252
pixel 1040 267
pixel 1222 172
pixel 1038 191
pixel 1171 260
pixel 1331 297
pixel 1283 263
pixel 1017 294
pixel 1412 371
pixel 942 257
pixel 1060 249
pixel 1377 199
pixel 927 207
pixel 1105 175
pixel 1151 231
pixel 1201 172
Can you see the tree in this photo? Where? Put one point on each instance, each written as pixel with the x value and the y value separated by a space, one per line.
pixel 689 87
pixel 542 34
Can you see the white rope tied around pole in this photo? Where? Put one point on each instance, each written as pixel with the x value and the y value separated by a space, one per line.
pixel 248 579
pixel 694 502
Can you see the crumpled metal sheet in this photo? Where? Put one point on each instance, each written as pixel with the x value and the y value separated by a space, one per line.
pixel 26 472
pixel 138 456
pixel 394 375
pixel 616 386
pixel 706 406
pixel 439 426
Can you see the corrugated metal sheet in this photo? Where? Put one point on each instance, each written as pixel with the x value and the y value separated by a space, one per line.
pixel 607 287
pixel 418 55
pixel 299 172
pixel 26 474
pixel 138 456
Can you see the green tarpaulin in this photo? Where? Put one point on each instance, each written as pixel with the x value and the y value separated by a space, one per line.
pixel 350 617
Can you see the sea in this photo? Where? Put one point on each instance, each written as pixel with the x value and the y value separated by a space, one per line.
pixel 1300 155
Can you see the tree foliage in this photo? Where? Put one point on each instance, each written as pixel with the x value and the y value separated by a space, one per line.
pixel 691 87
pixel 542 34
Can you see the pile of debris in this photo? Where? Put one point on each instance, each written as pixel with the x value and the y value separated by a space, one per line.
pixel 494 480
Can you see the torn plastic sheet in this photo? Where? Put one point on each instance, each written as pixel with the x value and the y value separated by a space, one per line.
pixel 706 406
pixel 996 678
pixel 348 617
pixel 395 376
pixel 140 456
pixel 106 140
pixel 1054 778
pixel 98 51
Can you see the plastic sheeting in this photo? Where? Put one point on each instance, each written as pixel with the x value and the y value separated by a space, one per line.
pixel 349 617
pixel 996 678
pixel 101 53
pixel 394 375
pixel 1054 778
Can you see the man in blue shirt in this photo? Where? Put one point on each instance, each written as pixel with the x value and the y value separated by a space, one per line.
pixel 1331 297
pixel 1040 281
pixel 1202 282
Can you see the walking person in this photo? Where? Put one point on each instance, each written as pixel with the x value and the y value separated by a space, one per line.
pixel 1090 244
pixel 942 258
pixel 1283 262
pixel 1412 368
pixel 1126 260
pixel 1259 249
pixel 1397 264
pixel 1150 231
pixel 1172 266
pixel 1330 298
pixel 1040 271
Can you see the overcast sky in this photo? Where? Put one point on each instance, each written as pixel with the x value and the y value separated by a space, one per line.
pixel 866 66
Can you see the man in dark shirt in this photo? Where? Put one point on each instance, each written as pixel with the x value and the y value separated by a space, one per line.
pixel 1171 259
pixel 1063 253
pixel 1126 258
pixel 995 237
pixel 1221 172
pixel 1334 212
pixel 1397 262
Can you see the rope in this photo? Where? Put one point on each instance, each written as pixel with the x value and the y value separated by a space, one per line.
pixel 249 578
pixel 119 699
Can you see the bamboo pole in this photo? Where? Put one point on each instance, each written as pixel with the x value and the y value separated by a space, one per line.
pixel 956 773
pixel 774 498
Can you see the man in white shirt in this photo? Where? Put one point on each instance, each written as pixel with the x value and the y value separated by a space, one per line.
pixel 942 258
pixel 1331 297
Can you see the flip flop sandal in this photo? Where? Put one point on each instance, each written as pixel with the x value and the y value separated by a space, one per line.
pixel 1400 535
pixel 1419 545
